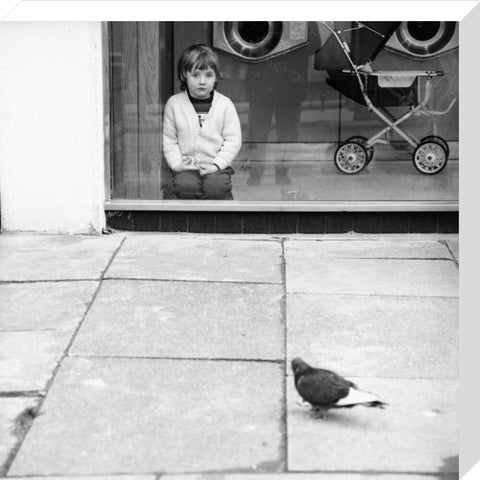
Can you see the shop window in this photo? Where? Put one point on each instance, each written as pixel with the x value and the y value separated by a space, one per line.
pixel 293 117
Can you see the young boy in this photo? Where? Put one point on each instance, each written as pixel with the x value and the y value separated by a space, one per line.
pixel 201 130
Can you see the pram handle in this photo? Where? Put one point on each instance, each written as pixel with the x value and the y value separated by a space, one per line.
pixel 443 112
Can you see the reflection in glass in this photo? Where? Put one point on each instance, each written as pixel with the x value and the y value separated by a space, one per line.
pixel 275 90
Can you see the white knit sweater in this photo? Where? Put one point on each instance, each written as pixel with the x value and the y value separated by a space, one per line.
pixel 217 141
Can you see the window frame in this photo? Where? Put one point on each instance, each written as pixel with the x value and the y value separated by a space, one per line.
pixel 111 204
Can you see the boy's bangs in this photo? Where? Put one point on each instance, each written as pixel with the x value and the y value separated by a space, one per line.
pixel 203 63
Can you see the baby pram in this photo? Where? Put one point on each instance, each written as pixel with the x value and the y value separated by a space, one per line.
pixel 346 56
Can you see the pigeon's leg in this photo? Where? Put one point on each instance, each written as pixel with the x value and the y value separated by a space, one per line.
pixel 320 412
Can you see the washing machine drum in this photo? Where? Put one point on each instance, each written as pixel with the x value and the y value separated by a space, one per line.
pixel 423 40
pixel 257 41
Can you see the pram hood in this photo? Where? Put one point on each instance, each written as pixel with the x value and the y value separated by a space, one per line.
pixel 364 39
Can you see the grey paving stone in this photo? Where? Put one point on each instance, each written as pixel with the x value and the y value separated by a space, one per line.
pixel 44 306
pixel 416 433
pixel 358 248
pixel 198 258
pixel 53 257
pixel 184 319
pixel 375 335
pixel 106 416
pixel 311 274
pixel 11 410
pixel 28 359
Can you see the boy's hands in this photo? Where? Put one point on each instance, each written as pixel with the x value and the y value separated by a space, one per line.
pixel 188 163
pixel 206 169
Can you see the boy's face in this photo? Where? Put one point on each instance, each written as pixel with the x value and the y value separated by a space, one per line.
pixel 200 83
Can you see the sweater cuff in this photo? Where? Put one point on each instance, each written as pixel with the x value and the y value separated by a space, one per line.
pixel 173 165
pixel 221 163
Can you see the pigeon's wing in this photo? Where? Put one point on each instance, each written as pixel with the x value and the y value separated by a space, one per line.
pixel 322 387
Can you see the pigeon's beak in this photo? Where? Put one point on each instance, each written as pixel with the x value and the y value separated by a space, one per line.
pixel 295 365
pixel 298 365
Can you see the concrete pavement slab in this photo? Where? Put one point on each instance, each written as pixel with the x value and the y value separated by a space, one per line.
pixel 379 248
pixel 311 274
pixel 417 432
pixel 44 306
pixel 184 319
pixel 106 416
pixel 55 257
pixel 198 258
pixel 375 335
pixel 28 359
pixel 11 425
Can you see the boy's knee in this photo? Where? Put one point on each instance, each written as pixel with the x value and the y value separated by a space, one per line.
pixel 187 185
pixel 218 186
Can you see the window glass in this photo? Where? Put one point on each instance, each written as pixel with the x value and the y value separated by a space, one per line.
pixel 297 108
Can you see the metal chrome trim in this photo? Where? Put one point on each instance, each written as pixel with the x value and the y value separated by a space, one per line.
pixel 313 206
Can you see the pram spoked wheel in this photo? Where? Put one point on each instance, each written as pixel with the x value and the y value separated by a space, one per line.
pixel 363 142
pixel 440 140
pixel 430 157
pixel 351 157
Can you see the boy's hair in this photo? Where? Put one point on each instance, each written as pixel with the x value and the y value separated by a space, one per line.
pixel 198 57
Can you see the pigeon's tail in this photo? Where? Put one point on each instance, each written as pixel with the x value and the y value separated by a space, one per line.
pixel 360 397
pixel 376 403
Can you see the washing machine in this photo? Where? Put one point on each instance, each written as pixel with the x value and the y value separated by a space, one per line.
pixel 424 40
pixel 259 41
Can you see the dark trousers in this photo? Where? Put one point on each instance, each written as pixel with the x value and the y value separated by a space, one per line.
pixel 287 119
pixel 190 185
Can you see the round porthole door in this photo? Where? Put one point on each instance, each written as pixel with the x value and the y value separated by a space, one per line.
pixel 257 41
pixel 253 40
pixel 424 40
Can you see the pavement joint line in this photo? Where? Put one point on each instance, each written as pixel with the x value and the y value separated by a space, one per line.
pixel 353 294
pixel 20 330
pixel 58 280
pixel 181 280
pixel 284 417
pixel 196 359
pixel 216 237
pixel 13 453
pixel 454 258
pixel 112 258
pixel 444 259
pixel 25 393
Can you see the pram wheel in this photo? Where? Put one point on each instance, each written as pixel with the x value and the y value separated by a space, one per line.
pixel 363 142
pixel 440 140
pixel 351 157
pixel 430 157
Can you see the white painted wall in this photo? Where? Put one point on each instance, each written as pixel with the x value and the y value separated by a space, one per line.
pixel 51 127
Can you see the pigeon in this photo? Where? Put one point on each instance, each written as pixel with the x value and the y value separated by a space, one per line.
pixel 324 389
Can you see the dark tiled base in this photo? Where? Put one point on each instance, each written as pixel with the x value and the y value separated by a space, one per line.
pixel 284 222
